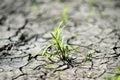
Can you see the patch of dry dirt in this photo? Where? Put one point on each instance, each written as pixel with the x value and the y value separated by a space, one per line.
pixel 25 26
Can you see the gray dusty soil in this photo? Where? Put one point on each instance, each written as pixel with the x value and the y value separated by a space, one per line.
pixel 25 27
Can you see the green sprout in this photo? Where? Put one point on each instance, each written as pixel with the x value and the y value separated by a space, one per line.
pixel 88 57
pixel 59 45
pixel 63 0
pixel 116 75
pixel 64 16
pixel 58 48
pixel 91 1
pixel 36 5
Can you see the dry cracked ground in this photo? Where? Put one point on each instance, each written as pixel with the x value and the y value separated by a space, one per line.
pixel 25 27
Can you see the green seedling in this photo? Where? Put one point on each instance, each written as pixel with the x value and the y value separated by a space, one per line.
pixel 91 1
pixel 88 57
pixel 64 16
pixel 58 49
pixel 63 0
pixel 36 5
pixel 58 46
pixel 115 76
pixel 90 75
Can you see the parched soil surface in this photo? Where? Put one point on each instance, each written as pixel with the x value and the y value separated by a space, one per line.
pixel 25 27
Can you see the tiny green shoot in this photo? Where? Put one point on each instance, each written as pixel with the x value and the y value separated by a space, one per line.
pixel 58 47
pixel 91 1
pixel 88 57
pixel 115 76
pixel 64 16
